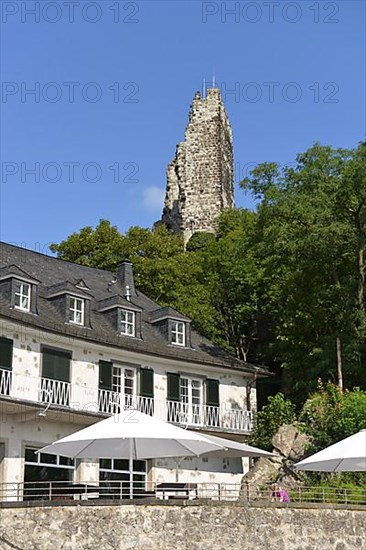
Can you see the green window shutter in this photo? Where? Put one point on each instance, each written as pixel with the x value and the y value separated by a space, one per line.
pixel 56 364
pixel 146 383
pixel 6 353
pixel 105 375
pixel 212 392
pixel 173 386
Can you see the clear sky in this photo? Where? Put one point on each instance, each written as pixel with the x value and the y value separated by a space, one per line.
pixel 113 81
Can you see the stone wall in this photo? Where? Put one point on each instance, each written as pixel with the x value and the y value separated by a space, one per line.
pixel 206 527
pixel 200 177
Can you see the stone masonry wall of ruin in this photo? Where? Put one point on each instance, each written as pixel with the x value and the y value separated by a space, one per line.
pixel 200 178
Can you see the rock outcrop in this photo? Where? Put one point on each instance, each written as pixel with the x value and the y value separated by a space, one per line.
pixel 289 446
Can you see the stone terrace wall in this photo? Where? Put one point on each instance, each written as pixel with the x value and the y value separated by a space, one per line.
pixel 211 527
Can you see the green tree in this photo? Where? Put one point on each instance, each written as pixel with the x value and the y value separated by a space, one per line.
pixel 329 415
pixel 234 277
pixel 163 271
pixel 311 250
pixel 200 241
pixel 277 412
pixel 101 247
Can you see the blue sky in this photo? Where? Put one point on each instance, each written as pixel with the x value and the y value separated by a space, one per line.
pixel 113 83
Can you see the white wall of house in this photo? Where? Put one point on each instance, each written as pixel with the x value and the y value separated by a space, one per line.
pixel 200 470
pixel 85 370
pixel 19 432
pixel 16 433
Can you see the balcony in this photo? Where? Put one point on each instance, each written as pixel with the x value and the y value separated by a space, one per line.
pixel 203 416
pixel 90 400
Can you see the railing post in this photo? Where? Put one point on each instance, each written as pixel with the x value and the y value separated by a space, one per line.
pixel 50 491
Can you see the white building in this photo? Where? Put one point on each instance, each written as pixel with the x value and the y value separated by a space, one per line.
pixel 78 343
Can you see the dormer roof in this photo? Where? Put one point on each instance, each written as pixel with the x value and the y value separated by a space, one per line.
pixel 66 287
pixel 167 313
pixel 15 271
pixel 117 301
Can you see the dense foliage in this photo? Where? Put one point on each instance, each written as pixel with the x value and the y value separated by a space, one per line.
pixel 282 286
pixel 274 414
pixel 327 416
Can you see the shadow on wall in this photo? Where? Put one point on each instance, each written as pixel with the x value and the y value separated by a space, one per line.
pixel 218 465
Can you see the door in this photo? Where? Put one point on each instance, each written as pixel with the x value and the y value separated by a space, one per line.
pixel 124 385
pixel 117 387
pixel 191 400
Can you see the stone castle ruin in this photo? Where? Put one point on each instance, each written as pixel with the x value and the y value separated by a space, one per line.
pixel 200 178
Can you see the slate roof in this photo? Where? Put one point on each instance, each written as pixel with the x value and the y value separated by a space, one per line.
pixel 51 271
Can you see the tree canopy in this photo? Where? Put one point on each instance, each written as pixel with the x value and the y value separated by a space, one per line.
pixel 282 286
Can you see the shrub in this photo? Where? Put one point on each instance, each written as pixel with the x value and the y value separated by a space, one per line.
pixel 277 412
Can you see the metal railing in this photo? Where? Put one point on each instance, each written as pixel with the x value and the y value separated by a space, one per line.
pixel 57 392
pixel 122 489
pixel 111 402
pixel 306 494
pixel 54 392
pixel 5 381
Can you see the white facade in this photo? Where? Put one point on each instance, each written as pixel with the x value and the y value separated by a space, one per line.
pixel 30 418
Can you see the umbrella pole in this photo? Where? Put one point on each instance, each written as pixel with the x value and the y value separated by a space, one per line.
pixel 130 468
pixel 178 462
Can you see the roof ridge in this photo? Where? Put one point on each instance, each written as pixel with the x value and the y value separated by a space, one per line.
pixel 28 250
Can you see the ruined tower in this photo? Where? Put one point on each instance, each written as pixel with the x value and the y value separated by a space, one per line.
pixel 200 178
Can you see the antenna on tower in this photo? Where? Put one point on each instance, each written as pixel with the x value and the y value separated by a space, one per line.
pixel 213 81
pixel 204 89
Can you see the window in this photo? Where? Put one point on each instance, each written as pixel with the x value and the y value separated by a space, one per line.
pixel 77 308
pixel 41 468
pixel 6 353
pixel 56 364
pixel 22 296
pixel 6 359
pixel 117 387
pixel 128 322
pixel 185 399
pixel 55 382
pixel 114 476
pixel 213 417
pixel 178 333
pixel 191 400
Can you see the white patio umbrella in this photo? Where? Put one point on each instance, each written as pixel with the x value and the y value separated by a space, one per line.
pixel 234 449
pixel 131 435
pixel 348 455
pixel 228 449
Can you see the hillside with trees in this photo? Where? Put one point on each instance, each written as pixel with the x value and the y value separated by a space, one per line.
pixel 283 286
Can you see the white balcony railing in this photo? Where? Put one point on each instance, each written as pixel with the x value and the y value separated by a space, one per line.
pixel 55 392
pixel 5 381
pixel 177 412
pixel 82 398
pixel 112 402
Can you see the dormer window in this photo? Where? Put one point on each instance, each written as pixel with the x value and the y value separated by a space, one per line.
pixel 22 296
pixel 77 310
pixel 128 322
pixel 178 333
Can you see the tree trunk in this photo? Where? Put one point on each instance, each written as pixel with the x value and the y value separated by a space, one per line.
pixel 360 263
pixel 338 343
pixel 361 279
pixel 339 365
